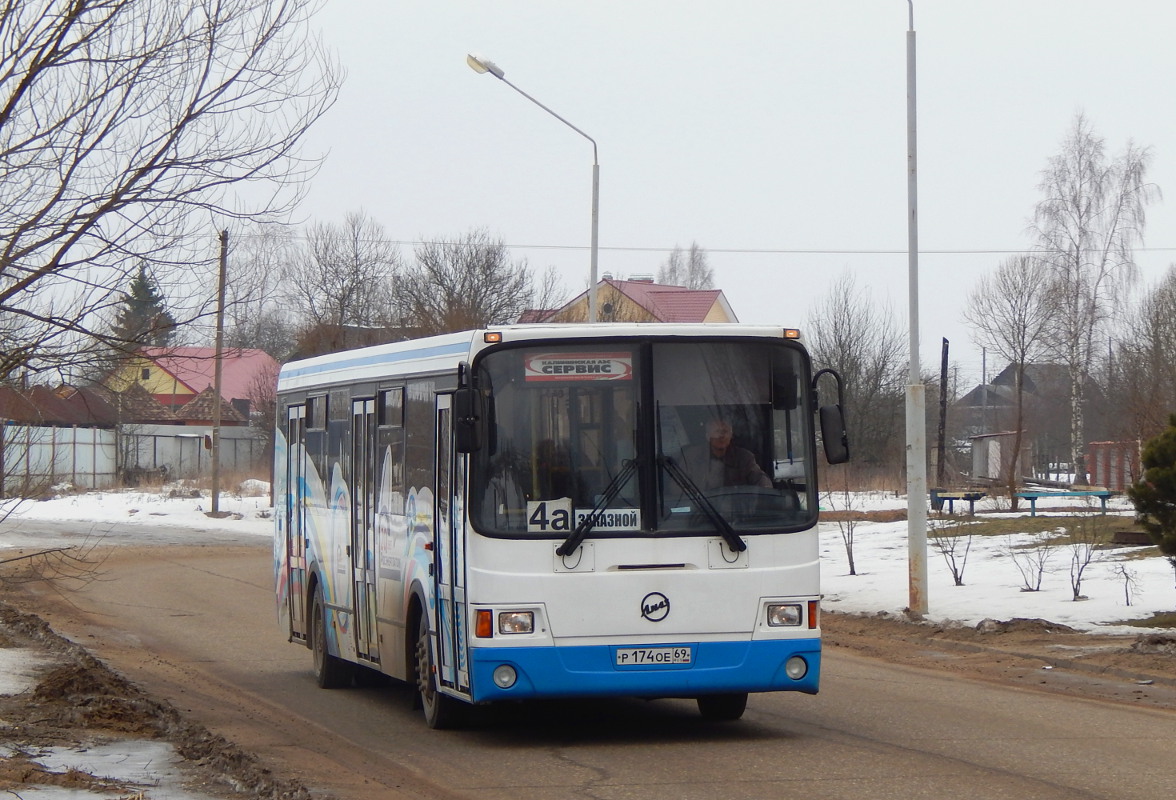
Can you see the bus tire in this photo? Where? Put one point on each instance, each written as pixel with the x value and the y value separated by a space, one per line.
pixel 441 711
pixel 330 672
pixel 722 707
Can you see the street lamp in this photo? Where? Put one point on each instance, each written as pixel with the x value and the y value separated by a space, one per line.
pixel 483 66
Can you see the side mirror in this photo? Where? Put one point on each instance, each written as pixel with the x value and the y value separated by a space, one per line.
pixel 833 433
pixel 469 420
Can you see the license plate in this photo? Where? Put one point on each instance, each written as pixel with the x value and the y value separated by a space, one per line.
pixel 652 656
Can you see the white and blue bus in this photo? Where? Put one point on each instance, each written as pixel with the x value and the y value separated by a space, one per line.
pixel 541 511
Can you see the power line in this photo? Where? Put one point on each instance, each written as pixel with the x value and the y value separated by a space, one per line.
pixel 728 250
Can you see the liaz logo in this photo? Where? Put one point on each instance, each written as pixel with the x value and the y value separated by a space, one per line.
pixel 655 607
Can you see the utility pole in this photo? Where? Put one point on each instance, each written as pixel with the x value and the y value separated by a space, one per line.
pixel 916 401
pixel 940 466
pixel 216 381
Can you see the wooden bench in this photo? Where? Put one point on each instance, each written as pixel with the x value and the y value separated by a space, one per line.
pixel 941 496
pixel 1102 494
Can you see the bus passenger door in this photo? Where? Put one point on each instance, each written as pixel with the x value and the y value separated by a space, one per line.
pixel 363 545
pixel 449 557
pixel 296 520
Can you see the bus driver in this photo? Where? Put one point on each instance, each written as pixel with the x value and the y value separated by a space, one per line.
pixel 719 463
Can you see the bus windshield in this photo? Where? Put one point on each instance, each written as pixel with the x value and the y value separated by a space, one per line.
pixel 683 437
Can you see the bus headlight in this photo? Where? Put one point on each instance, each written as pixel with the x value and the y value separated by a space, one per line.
pixel 516 622
pixel 781 615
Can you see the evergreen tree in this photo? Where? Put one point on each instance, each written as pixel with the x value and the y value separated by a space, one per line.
pixel 1154 495
pixel 143 319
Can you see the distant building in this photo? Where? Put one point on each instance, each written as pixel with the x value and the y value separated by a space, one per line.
pixel 641 300
pixel 175 376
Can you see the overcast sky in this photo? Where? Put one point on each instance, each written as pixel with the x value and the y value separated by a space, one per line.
pixel 772 133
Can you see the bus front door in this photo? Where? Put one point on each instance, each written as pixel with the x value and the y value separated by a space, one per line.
pixel 451 648
pixel 296 521
pixel 363 545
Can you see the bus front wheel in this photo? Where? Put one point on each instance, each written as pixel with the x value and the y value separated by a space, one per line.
pixel 722 707
pixel 329 671
pixel 441 711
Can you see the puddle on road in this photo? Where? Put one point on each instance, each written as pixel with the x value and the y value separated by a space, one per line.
pixel 150 770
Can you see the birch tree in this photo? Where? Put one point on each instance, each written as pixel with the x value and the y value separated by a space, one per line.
pixel 1087 225
pixel 130 131
pixel 689 268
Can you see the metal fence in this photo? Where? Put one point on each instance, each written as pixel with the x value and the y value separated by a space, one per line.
pixel 34 458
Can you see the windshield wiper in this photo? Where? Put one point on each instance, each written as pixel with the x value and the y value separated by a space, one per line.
pixel 589 522
pixel 696 496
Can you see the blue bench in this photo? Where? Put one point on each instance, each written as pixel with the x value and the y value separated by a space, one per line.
pixel 940 496
pixel 1033 497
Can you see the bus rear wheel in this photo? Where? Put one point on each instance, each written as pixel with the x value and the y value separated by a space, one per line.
pixel 330 672
pixel 722 707
pixel 441 711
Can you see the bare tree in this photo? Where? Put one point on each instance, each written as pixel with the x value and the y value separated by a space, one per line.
pixel 688 268
pixel 843 501
pixel 255 315
pixel 128 129
pixel 1087 226
pixel 1031 559
pixel 263 408
pixel 1143 374
pixel 1130 579
pixel 1010 314
pixel 1084 542
pixel 863 342
pixel 953 540
pixel 343 276
pixel 466 283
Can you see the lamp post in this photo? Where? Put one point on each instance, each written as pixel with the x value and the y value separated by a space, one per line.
pixel 483 66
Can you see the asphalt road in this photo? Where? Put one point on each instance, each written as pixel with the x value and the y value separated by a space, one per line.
pixel 196 625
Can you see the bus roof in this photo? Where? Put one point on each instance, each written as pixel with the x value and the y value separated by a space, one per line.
pixel 438 354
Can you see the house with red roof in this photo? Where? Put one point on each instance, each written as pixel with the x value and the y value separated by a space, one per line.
pixel 175 376
pixel 641 300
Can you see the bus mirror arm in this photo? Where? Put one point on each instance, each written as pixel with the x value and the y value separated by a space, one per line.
pixel 607 496
pixel 696 496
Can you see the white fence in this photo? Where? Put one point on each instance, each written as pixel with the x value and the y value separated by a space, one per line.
pixel 33 458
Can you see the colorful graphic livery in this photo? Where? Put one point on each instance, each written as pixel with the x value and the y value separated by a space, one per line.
pixel 556 511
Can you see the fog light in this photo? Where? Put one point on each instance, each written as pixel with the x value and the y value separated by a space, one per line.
pixel 785 615
pixel 505 676
pixel 516 622
pixel 796 668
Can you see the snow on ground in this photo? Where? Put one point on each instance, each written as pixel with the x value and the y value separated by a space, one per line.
pixel 248 510
pixel 992 582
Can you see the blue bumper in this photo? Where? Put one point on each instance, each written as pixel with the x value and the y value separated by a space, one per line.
pixel 752 666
